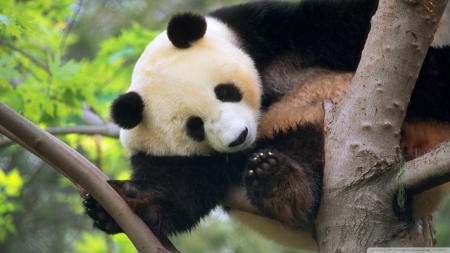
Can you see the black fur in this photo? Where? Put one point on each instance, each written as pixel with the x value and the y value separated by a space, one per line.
pixel 195 128
pixel 184 28
pixel 228 92
pixel 431 95
pixel 127 109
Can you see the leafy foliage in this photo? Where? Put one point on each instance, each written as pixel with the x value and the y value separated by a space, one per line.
pixel 39 80
pixel 10 187
pixel 33 62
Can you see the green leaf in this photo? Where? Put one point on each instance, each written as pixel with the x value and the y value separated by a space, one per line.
pixel 48 108
pixel 11 98
pixel 67 71
pixel 11 182
pixel 14 30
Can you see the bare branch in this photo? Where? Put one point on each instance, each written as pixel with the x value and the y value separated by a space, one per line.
pixel 98 126
pixel 82 172
pixel 29 56
pixel 110 130
pixel 428 171
pixel 90 117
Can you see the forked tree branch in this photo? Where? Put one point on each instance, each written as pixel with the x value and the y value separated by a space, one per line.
pixel 81 171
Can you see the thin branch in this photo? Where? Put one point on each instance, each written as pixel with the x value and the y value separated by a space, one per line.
pixel 428 171
pixel 98 126
pixel 90 117
pixel 114 75
pixel 29 56
pixel 82 172
pixel 110 130
pixel 70 26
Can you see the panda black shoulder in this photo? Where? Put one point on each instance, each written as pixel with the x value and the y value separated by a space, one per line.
pixel 319 32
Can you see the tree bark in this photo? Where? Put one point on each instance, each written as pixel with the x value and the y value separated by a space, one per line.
pixel 361 166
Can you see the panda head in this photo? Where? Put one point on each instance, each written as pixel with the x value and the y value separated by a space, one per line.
pixel 193 92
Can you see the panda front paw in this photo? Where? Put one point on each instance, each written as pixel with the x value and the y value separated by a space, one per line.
pixel 281 188
pixel 265 169
pixel 134 197
pixel 102 219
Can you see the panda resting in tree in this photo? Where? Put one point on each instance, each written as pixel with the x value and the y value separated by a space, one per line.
pixel 235 98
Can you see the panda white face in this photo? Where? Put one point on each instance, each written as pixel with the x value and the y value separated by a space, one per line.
pixel 196 100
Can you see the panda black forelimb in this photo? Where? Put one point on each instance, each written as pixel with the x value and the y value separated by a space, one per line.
pixel 283 178
pixel 164 189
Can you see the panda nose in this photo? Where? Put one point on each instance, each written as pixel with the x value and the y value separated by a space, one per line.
pixel 239 139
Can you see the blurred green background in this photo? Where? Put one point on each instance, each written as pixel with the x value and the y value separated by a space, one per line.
pixel 59 60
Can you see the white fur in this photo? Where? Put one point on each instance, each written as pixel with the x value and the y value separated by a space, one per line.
pixel 176 84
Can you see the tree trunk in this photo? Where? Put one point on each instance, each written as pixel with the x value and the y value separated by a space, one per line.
pixel 360 182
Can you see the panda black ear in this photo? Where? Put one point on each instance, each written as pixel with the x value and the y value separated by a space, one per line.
pixel 186 27
pixel 127 109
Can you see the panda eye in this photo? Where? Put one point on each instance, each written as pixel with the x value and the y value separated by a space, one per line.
pixel 195 128
pixel 228 92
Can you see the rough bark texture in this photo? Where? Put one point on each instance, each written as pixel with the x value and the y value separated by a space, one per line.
pixel 359 178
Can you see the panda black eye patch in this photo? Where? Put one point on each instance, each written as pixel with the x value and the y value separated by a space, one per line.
pixel 195 128
pixel 228 92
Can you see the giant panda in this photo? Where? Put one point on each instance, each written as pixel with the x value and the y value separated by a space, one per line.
pixel 234 98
